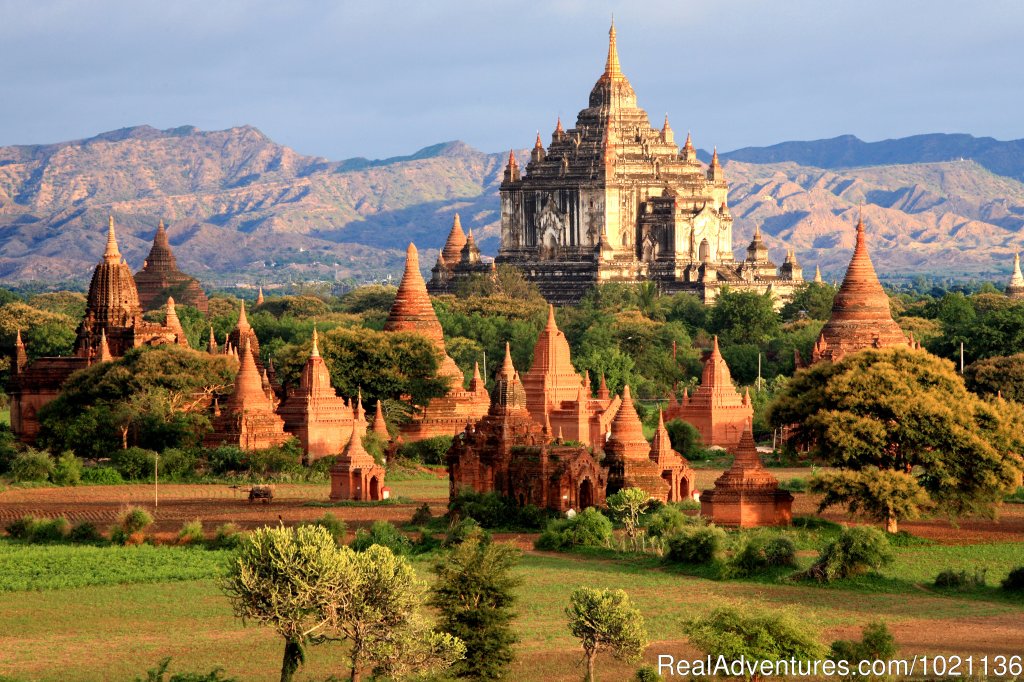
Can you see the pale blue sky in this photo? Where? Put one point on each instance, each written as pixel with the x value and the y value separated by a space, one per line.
pixel 379 78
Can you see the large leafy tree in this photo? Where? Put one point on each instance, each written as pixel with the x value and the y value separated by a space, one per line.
pixel 743 317
pixel 810 301
pixel 475 596
pixel 628 505
pixel 757 636
pixel 999 375
pixel 606 620
pixel 152 397
pixel 906 413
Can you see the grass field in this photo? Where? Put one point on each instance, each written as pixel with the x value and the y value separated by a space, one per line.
pixel 111 613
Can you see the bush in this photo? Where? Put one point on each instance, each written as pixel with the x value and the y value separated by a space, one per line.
pixel 768 635
pixel 19 529
pixel 225 458
pixel 466 528
pixel 685 437
pixel 101 476
pixel 961 580
pixel 335 526
pixel 287 457
pixel 697 546
pixel 191 533
pixel 855 551
pixel 876 644
pixel 49 530
pixel 384 534
pixel 159 674
pixel 422 515
pixel 31 466
pixel 133 463
pixel 85 533
pixel 227 536
pixel 427 451
pixel 67 470
pixel 176 465
pixel 491 510
pixel 794 485
pixel 759 553
pixel 668 520
pixel 589 528
pixel 904 539
pixel 647 673
pixel 135 520
pixel 1014 582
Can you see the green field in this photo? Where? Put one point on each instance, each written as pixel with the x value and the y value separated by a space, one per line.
pixel 88 613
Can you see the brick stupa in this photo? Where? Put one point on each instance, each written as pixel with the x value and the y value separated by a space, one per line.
pixel 507 452
pixel 860 313
pixel 557 395
pixel 675 469
pixel 747 494
pixel 628 454
pixel 243 334
pixel 248 419
pixel 314 413
pixel 160 277
pixel 355 475
pixel 716 409
pixel 413 312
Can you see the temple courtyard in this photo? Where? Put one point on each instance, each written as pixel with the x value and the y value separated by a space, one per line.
pixel 85 608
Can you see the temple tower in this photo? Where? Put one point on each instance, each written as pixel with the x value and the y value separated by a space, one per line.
pixel 356 476
pixel 860 313
pixel 552 378
pixel 747 494
pixel 628 454
pixel 160 276
pixel 243 335
pixel 1015 287
pixel 675 470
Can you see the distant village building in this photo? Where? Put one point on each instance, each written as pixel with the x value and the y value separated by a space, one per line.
pixel 112 325
pixel 413 312
pixel 716 409
pixel 747 494
pixel 615 200
pixel 1015 287
pixel 860 312
pixel 160 278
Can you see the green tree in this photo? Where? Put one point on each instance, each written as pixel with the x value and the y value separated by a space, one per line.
pixel 999 375
pixel 908 413
pixel 876 644
pixel 813 300
pixel 878 494
pixel 628 505
pixel 475 597
pixel 743 317
pixel 285 578
pixel 753 636
pixel 606 620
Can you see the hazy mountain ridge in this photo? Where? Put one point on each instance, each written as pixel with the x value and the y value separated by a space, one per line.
pixel 241 208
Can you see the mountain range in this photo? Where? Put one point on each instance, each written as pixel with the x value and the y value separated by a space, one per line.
pixel 243 210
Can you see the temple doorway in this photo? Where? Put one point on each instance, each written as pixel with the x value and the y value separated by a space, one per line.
pixel 667 477
pixel 374 489
pixel 586 496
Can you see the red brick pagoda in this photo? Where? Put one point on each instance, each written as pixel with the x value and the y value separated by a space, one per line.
pixel 314 413
pixel 747 494
pixel 413 312
pixel 160 277
pixel 507 452
pixel 356 476
pixel 860 313
pixel 716 409
pixel 628 455
pixel 675 470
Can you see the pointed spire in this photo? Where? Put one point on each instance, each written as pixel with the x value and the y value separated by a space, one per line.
pixel 171 315
pixel 1016 286
pixel 259 297
pixel 211 343
pixel 476 371
pixel 18 343
pixel 507 370
pixel 380 427
pixel 537 143
pixel 316 348
pixel 817 274
pixel 602 389
pixel 512 168
pixel 666 132
pixel 627 431
pixel 559 130
pixel 111 254
pixel 104 354
pixel 612 67
pixel 551 317
pixel 452 250
pixel 243 321
pixel 661 444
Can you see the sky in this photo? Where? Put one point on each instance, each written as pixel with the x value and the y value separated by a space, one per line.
pixel 378 78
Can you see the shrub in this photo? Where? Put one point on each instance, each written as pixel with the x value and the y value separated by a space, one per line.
pixel 133 463
pixel 67 470
pixel 685 437
pixel 756 636
pixel 462 530
pixel 49 530
pixel 647 673
pixel 19 529
pixel 135 520
pixel 225 458
pixel 759 553
pixel 961 580
pixel 335 526
pixel 904 539
pixel 1014 582
pixel 589 528
pixel 384 534
pixel 159 674
pixel 428 451
pixel 689 504
pixel 876 644
pixel 101 476
pixel 668 520
pixel 855 551
pixel 31 466
pixel 287 457
pixel 177 464
pixel 422 515
pixel 494 511
pixel 794 485
pixel 702 545
pixel 191 533
pixel 227 536
pixel 85 533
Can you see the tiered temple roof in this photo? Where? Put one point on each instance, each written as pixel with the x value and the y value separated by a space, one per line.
pixel 314 413
pixel 747 494
pixel 243 335
pixel 860 312
pixel 160 277
pixel 716 409
pixel 675 469
pixel 356 476
pixel 628 454
pixel 413 312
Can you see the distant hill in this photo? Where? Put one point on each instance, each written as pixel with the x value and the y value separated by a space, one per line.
pixel 242 209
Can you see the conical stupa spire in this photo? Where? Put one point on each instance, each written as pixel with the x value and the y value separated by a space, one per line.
pixel 452 250
pixel 817 275
pixel 612 67
pixel 104 351
pixel 171 315
pixel 316 347
pixel 259 297
pixel 507 370
pixel 627 430
pixel 111 254
pixel 559 130
pixel 379 425
pixel 661 444
pixel 1016 279
pixel 211 343
pixel 243 321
